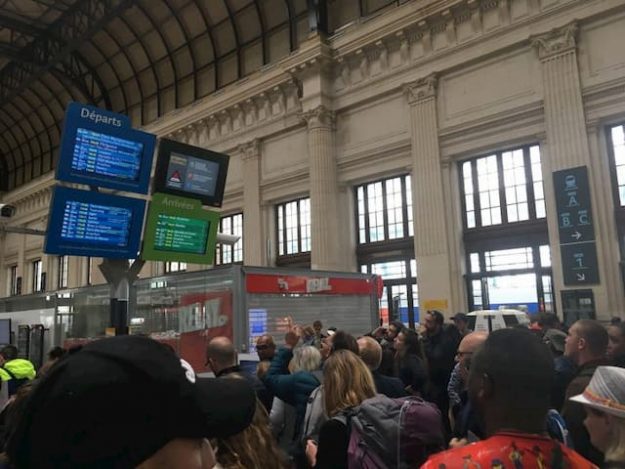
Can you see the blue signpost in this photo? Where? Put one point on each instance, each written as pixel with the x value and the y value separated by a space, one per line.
pixel 98 148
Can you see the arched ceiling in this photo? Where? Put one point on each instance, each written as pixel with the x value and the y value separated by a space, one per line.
pixel 142 58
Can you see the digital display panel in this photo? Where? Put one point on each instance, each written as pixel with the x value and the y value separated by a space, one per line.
pixel 179 229
pixel 99 149
pixel 94 223
pixel 190 174
pixel 188 171
pixel 5 331
pixel 106 155
pixel 181 234
pixel 86 223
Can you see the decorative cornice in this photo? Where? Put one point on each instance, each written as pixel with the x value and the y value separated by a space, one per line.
pixel 320 117
pixel 280 100
pixel 422 89
pixel 250 150
pixel 556 41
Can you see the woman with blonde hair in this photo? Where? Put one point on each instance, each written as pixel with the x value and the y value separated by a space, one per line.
pixel 347 382
pixel 253 447
pixel 604 401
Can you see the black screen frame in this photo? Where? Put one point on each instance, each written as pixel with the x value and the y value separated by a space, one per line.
pixel 165 150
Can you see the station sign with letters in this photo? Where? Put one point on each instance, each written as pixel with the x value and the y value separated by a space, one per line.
pixel 575 226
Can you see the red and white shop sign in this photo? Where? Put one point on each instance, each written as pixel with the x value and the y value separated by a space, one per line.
pixel 266 283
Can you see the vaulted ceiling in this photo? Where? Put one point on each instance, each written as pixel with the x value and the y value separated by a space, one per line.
pixel 142 58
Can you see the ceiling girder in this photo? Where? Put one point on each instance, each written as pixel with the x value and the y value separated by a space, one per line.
pixel 15 24
pixel 62 38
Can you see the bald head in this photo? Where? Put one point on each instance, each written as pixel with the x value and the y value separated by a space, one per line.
pixel 468 345
pixel 220 354
pixel 265 347
pixel 471 342
pixel 370 352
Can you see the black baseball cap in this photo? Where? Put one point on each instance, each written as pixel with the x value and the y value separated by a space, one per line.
pixel 460 317
pixel 119 400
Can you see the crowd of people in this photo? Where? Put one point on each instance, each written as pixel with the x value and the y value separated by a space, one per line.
pixel 440 397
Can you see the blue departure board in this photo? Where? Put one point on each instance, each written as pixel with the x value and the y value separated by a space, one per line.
pixel 101 224
pixel 86 223
pixel 99 149
pixel 106 155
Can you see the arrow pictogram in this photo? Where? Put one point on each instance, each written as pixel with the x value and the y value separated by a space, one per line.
pixel 576 235
pixel 581 277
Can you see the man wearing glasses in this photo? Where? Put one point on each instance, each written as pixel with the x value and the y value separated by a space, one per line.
pixel 456 389
pixel 265 347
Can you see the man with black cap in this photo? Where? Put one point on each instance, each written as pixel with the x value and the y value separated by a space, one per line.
pixel 127 402
pixel 461 321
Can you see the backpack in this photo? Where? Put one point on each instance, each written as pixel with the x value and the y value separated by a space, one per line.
pixel 387 433
pixel 14 383
pixel 315 415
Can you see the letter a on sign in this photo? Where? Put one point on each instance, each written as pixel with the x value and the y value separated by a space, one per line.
pixel 573 200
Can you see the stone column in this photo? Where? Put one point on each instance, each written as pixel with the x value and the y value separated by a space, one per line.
pixel 567 147
pixel 428 201
pixel 325 223
pixel 253 249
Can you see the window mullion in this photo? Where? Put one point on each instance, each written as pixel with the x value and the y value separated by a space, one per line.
pixel 366 211
pixel 404 207
pixel 476 194
pixel 503 205
pixel 277 224
pixel 385 210
pixel 299 225
pixel 529 183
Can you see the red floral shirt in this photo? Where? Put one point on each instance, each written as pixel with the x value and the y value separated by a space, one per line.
pixel 510 451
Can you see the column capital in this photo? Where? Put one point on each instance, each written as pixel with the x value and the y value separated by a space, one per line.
pixel 319 117
pixel 250 150
pixel 421 89
pixel 556 41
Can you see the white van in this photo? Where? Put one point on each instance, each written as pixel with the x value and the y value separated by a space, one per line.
pixel 493 319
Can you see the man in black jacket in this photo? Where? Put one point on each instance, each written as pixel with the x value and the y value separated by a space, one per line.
pixel 222 359
pixel 440 345
pixel 371 354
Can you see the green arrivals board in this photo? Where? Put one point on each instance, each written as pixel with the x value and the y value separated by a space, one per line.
pixel 179 229
pixel 180 234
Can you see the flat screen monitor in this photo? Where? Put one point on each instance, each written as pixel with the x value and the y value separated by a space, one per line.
pixel 189 171
pixel 179 229
pixel 103 155
pixel 181 234
pixel 5 331
pixel 86 223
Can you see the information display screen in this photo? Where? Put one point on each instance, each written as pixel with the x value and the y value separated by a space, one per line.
pixel 98 149
pixel 190 174
pixel 86 223
pixel 179 229
pixel 181 234
pixel 5 331
pixel 189 171
pixel 94 223
pixel 106 155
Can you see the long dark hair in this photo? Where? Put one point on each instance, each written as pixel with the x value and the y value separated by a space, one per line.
pixel 412 343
